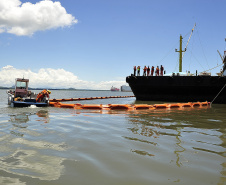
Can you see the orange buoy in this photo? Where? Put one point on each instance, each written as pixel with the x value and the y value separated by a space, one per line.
pixel 53 103
pixel 67 105
pixel 174 105
pixel 205 103
pixel 161 106
pixel 127 106
pixel 119 106
pixel 189 104
pixel 141 106
pixel 196 104
pixel 91 106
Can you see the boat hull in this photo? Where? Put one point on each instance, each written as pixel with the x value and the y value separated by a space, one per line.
pixel 178 88
pixel 27 104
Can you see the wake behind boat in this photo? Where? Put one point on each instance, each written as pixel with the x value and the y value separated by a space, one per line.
pixel 22 97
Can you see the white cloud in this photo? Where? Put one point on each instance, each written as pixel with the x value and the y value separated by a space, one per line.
pixel 27 18
pixel 52 78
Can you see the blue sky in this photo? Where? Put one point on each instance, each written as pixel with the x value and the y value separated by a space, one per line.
pixel 96 43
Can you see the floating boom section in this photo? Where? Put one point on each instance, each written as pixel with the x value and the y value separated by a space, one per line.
pixel 130 107
pixel 90 98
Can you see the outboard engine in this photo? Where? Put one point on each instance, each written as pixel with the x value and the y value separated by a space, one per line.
pixel 9 100
pixel 10 96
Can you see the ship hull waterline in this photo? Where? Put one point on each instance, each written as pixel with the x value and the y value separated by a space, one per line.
pixel 178 88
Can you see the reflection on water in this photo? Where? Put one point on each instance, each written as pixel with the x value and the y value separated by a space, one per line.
pixel 190 133
pixel 43 115
pixel 32 164
pixel 22 154
pixel 9 180
pixel 19 121
pixel 66 146
pixel 20 118
pixel 180 148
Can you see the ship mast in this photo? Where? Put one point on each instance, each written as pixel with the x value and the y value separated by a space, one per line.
pixel 181 51
pixel 180 54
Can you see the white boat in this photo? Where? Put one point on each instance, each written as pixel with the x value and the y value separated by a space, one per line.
pixel 22 97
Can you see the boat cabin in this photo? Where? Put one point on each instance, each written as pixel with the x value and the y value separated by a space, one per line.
pixel 21 87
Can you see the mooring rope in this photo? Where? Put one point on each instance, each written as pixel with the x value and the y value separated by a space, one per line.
pixel 214 67
pixel 218 94
pixel 209 69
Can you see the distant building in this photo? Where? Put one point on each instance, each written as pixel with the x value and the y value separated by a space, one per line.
pixel 125 88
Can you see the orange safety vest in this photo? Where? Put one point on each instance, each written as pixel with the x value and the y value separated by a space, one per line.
pixel 41 95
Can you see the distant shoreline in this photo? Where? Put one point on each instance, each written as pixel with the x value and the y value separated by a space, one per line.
pixel 68 89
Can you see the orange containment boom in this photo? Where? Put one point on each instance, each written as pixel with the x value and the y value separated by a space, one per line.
pixel 91 98
pixel 128 106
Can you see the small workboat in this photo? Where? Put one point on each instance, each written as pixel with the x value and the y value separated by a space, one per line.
pixel 22 97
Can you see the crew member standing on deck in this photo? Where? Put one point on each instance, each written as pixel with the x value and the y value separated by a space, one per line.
pixel 145 69
pixel 152 70
pixel 134 69
pixel 138 71
pixel 42 94
pixel 161 70
pixel 148 71
pixel 157 71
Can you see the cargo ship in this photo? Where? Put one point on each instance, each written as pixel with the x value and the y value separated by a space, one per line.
pixel 181 87
pixel 114 89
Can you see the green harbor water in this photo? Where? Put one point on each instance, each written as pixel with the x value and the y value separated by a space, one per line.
pixel 63 146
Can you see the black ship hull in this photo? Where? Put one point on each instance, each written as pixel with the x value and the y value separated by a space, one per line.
pixel 178 88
